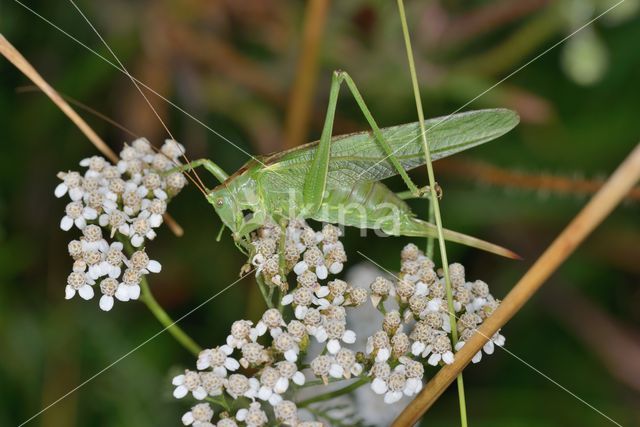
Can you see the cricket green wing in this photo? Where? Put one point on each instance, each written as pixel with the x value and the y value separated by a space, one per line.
pixel 358 157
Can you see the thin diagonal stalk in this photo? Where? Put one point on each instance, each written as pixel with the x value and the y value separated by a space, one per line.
pixel 434 205
pixel 332 394
pixel 181 336
pixel 598 208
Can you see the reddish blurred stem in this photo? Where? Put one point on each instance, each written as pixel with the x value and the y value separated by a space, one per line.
pixel 489 17
pixel 500 177
pixel 613 342
pixel 598 208
pixel 299 108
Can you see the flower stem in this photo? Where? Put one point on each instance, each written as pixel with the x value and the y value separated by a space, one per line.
pixel 181 336
pixel 335 393
pixel 263 291
pixel 435 205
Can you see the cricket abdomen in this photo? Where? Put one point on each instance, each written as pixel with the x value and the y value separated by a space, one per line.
pixel 364 205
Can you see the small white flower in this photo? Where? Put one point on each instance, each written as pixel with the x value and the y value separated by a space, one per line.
pixel 271 321
pixel 188 382
pixel 439 350
pixel 140 261
pixel 240 333
pixel 108 287
pixel 77 214
pixel 270 383
pixel 218 359
pixel 129 288
pixel 199 415
pixel 288 372
pixel 72 183
pixel 81 283
pixel 252 417
pixel 141 228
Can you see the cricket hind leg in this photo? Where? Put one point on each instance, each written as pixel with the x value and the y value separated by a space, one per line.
pixel 316 179
pixel 414 227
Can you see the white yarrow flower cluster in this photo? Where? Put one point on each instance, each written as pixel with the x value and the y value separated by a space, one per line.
pixel 262 364
pixel 419 293
pixel 122 203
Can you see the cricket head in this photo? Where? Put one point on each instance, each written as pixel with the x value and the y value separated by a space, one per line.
pixel 238 207
pixel 224 203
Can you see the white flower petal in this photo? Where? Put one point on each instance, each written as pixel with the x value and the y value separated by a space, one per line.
pixel 231 364
pixel 448 358
pixel 281 385
pixel 322 272
pixel 333 346
pixel 300 267
pixel 417 348
pixel 137 240
pixel 299 378
pixel 392 397
pixel 180 392
pixel 349 336
pixel 106 302
pixel 69 292
pixel 154 266
pixel 89 213
pixel 133 291
pixel 86 292
pixel 121 293
pixel 66 223
pixel 379 386
pixel 199 393
pixel 287 299
pixel 336 371
pixel 323 291
pixel 61 190
pixel 75 194
pixel 434 359
pixel 336 267
pixel 187 419
pixel 241 415
pixel 264 393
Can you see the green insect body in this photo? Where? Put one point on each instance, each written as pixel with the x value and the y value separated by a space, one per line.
pixel 273 187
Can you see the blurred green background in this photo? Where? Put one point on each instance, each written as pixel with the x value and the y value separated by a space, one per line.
pixel 235 65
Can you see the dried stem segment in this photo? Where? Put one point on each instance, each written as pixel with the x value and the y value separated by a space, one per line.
pixel 598 208
pixel 12 54
pixel 299 108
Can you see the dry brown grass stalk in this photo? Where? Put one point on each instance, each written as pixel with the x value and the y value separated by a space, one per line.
pixel 598 208
pixel 16 58
pixel 299 109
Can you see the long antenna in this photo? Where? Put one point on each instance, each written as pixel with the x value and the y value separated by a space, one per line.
pixel 135 83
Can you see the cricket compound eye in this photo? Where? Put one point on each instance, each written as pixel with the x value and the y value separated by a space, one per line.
pixel 219 202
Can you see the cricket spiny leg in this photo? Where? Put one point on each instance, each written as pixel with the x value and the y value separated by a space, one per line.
pixel 316 179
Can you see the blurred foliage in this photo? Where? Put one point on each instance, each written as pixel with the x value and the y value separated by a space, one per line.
pixel 231 63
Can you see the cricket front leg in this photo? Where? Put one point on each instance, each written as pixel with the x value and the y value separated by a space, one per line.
pixel 209 165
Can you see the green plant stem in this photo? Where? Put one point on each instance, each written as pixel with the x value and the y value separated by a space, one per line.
pixel 434 203
pixel 147 298
pixel 430 240
pixel 263 291
pixel 334 393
